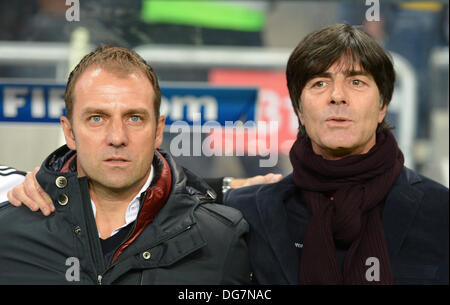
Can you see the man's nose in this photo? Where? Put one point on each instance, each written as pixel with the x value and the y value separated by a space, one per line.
pixel 338 95
pixel 117 133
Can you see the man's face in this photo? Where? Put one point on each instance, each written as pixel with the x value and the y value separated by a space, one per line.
pixel 113 129
pixel 341 111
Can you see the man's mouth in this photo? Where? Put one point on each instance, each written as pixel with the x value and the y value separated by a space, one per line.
pixel 116 160
pixel 338 121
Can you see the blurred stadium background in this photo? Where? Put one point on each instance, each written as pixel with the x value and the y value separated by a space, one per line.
pixel 225 59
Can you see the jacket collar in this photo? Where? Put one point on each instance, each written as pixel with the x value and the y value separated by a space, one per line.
pixel 399 210
pixel 155 198
pixel 50 171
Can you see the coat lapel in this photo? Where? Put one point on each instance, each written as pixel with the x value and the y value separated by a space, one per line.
pixel 274 218
pixel 400 209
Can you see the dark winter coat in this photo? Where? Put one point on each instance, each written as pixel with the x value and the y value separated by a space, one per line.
pixel 415 220
pixel 190 241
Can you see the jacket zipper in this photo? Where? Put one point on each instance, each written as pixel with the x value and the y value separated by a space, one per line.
pixel 94 244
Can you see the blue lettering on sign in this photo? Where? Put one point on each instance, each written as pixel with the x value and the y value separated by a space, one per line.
pixel 45 103
pixel 31 103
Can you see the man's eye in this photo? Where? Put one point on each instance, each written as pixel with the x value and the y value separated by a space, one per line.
pixel 357 82
pixel 135 118
pixel 319 84
pixel 96 118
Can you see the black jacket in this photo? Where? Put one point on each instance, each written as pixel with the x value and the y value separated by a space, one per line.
pixel 190 241
pixel 415 221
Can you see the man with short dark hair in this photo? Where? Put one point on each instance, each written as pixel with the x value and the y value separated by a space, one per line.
pixel 351 212
pixel 125 212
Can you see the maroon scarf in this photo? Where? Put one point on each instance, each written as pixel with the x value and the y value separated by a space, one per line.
pixel 344 198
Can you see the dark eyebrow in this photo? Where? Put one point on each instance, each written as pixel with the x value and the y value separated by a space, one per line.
pixel 141 111
pixel 91 110
pixel 347 73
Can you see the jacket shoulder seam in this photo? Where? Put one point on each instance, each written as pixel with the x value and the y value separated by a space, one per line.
pixel 226 215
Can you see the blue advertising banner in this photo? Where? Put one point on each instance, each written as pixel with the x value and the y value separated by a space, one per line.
pixel 36 103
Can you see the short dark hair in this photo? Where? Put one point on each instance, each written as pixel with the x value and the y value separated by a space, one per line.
pixel 320 49
pixel 118 60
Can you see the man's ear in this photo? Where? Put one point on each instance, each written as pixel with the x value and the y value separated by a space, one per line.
pixel 382 114
pixel 68 132
pixel 160 131
pixel 300 116
pixel 299 111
